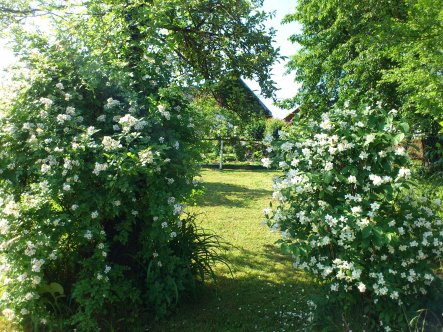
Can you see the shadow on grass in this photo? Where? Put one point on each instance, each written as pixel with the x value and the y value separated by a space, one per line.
pixel 241 304
pixel 269 261
pixel 230 195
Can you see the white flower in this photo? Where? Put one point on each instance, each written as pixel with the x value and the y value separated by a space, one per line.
pixel 37 264
pixel 295 162
pixel 59 86
pixel 266 162
pixel 62 118
pixel 352 179
pixel 146 157
pixel 361 287
pixel 110 144
pixel 36 280
pixel 70 110
pixel 101 118
pixel 47 102
pixel 400 151
pixel 404 172
pixel 140 125
pixel 127 121
pixel 356 209
pixel 8 314
pixel 376 180
pixel 94 214
pixel 100 168
pixel 328 166
pixel 90 130
pixel 110 103
pixel 173 234
pixel 88 235
pixel 375 206
pixel 178 209
pixel 163 112
pixel 363 155
pixel 4 226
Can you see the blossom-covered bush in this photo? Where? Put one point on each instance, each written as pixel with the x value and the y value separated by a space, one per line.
pixel 93 180
pixel 348 214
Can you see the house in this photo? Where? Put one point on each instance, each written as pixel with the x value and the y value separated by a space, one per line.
pixel 288 118
pixel 235 95
pixel 260 107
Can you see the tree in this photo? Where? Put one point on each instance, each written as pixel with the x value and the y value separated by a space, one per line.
pixel 205 40
pixel 354 50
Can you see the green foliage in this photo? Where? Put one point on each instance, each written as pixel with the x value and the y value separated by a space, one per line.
pixel 274 126
pixel 255 130
pixel 351 216
pixel 359 49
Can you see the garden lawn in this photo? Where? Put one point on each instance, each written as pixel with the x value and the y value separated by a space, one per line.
pixel 264 292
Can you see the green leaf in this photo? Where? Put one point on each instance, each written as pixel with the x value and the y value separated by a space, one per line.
pixel 328 178
pixel 366 232
pixel 404 127
pixel 52 288
pixel 398 138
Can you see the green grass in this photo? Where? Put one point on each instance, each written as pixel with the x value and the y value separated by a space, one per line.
pixel 264 292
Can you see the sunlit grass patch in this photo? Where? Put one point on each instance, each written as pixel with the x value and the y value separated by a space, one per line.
pixel 264 292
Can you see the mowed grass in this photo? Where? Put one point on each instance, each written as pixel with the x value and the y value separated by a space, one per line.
pixel 264 292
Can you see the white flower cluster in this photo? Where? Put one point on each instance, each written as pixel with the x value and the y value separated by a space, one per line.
pixel 346 211
pixel 164 113
pixel 110 144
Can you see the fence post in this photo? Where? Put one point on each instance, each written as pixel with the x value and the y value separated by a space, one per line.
pixel 221 153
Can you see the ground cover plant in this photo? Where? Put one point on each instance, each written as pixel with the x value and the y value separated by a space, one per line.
pixel 350 214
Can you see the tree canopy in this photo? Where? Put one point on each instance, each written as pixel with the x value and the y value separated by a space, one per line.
pixel 385 50
pixel 204 43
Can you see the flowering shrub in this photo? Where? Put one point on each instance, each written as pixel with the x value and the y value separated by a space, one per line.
pixel 348 214
pixel 93 181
